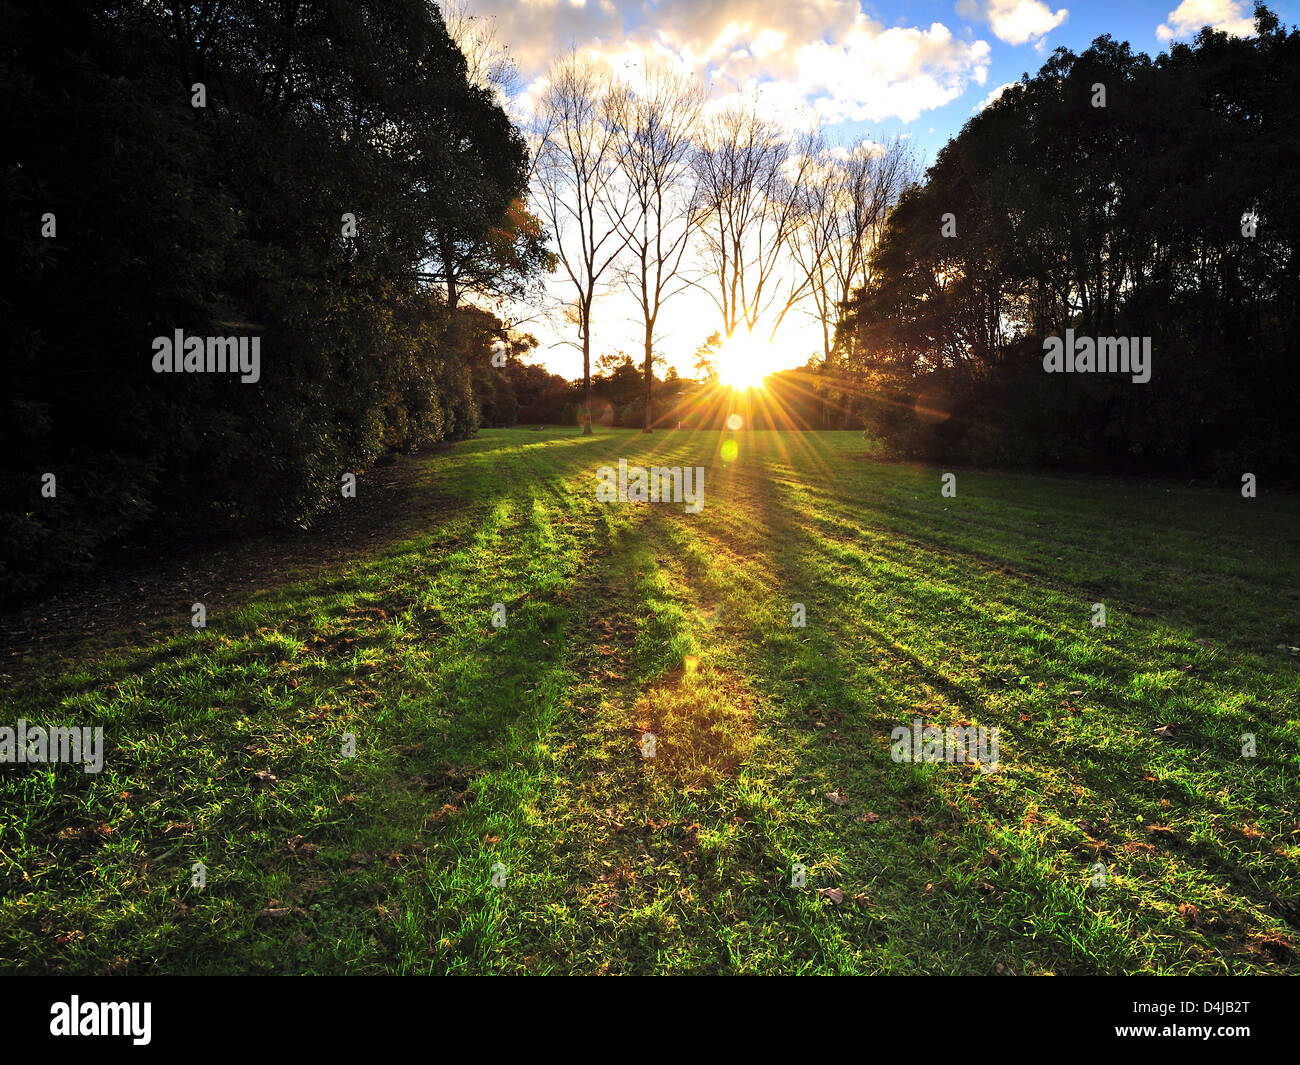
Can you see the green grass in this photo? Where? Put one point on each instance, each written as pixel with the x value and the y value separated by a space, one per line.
pixel 520 745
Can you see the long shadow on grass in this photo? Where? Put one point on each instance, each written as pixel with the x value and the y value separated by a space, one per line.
pixel 1098 771
pixel 481 701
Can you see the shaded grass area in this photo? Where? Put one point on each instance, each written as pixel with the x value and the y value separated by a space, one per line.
pixel 500 813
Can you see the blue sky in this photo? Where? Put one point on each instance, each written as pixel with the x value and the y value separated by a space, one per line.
pixel 864 69
pixel 1139 22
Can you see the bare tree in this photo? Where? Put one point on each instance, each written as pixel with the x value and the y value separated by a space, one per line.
pixel 843 207
pixel 577 173
pixel 844 204
pixel 488 62
pixel 816 234
pixel 658 122
pixel 749 172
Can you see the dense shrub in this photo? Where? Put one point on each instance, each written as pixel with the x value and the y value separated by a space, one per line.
pixel 228 220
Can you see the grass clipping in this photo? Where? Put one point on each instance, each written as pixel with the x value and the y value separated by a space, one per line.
pixel 702 722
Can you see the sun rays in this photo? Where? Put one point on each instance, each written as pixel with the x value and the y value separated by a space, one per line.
pixel 744 361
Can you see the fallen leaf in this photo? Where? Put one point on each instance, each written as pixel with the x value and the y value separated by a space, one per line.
pixel 837 798
pixel 870 818
pixel 833 893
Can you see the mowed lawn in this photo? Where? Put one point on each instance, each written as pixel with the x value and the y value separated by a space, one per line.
pixel 499 815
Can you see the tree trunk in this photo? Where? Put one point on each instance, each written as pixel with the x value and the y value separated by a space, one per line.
pixel 649 377
pixel 586 365
pixel 826 376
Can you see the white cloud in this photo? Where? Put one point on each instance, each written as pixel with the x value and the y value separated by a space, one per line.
pixel 819 55
pixel 991 97
pixel 1188 17
pixel 805 59
pixel 1014 21
pixel 873 74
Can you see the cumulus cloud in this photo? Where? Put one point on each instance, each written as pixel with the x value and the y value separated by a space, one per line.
pixel 822 57
pixel 1014 21
pixel 1187 18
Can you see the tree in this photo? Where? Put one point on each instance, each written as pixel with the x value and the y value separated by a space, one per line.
pixel 291 213
pixel 497 261
pixel 1164 222
pixel 577 173
pixel 657 122
pixel 843 204
pixel 749 173
pixel 488 62
pixel 706 361
pixel 487 242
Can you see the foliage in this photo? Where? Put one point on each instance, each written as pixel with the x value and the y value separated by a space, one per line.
pixel 229 220
pixel 1123 220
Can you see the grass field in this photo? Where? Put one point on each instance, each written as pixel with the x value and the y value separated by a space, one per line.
pixel 514 753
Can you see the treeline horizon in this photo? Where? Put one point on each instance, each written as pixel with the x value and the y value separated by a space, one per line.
pixel 1113 195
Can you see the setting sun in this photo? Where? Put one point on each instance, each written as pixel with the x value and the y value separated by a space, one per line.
pixel 744 361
